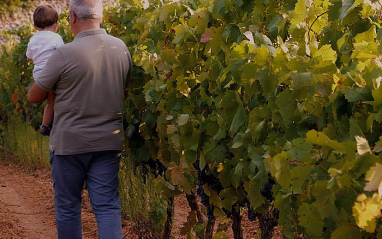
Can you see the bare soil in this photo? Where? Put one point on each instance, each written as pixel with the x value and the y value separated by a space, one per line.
pixel 27 208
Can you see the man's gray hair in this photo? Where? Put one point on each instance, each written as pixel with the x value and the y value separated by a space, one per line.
pixel 86 9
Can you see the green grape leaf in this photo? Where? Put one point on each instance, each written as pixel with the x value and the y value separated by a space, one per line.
pixel 228 198
pixel 286 105
pixel 347 6
pixel 346 231
pixel 254 195
pixel 320 138
pixel 299 175
pixel 180 33
pixel 355 129
pixel 236 177
pixel 280 169
pixel 238 120
pixel 309 219
pixel 325 201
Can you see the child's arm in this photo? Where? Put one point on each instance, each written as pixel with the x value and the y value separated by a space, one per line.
pixel 48 111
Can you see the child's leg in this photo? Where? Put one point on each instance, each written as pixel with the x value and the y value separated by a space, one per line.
pixel 48 111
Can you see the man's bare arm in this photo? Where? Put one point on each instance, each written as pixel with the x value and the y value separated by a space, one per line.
pixel 36 94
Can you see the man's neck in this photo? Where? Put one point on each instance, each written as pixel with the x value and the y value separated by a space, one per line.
pixel 88 24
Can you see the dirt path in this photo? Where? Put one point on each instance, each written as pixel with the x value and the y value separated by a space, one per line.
pixel 27 208
pixel 26 204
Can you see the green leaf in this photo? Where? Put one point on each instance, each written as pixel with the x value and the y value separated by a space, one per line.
pixel 280 169
pixel 219 7
pixel 355 130
pixel 347 231
pixel 347 6
pixel 324 199
pixel 180 33
pixel 234 111
pixel 286 106
pixel 267 81
pixel 320 138
pixel 309 219
pixel 236 177
pixel 238 120
pixel 237 141
pixel 254 195
pixel 228 198
pixel 299 175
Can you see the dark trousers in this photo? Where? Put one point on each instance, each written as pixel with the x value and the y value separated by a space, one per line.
pixel 100 172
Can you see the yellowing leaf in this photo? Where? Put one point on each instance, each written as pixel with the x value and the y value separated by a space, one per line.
pixel 374 178
pixel 220 167
pixel 368 36
pixel 327 54
pixel 366 210
pixel 362 145
pixel 299 14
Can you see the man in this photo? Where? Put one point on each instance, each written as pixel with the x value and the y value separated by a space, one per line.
pixel 89 77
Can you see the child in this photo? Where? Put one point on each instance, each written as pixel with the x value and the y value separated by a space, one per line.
pixel 40 47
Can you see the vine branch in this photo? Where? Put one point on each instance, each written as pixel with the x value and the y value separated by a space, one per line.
pixel 310 28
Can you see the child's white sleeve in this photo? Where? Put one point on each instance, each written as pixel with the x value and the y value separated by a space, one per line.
pixel 59 41
pixel 29 53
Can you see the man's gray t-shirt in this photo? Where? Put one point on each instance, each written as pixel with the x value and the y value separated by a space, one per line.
pixel 89 76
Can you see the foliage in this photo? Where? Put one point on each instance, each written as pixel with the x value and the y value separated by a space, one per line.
pixel 249 88
pixel 252 90
pixel 10 6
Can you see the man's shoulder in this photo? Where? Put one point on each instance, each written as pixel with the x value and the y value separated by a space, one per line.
pixel 115 39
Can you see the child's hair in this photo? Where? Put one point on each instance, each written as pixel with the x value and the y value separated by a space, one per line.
pixel 44 16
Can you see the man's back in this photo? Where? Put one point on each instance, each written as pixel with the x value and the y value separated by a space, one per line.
pixel 91 77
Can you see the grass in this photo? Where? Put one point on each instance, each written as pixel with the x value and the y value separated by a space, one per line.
pixel 140 202
pixel 29 147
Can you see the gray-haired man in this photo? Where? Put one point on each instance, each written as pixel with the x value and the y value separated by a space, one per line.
pixel 89 77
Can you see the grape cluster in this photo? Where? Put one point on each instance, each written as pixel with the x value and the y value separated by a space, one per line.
pixel 267 190
pixel 204 178
pixel 252 215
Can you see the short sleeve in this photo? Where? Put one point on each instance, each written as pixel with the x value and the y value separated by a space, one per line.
pixel 59 41
pixel 29 52
pixel 51 72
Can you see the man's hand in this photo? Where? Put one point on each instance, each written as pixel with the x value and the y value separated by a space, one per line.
pixel 36 94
